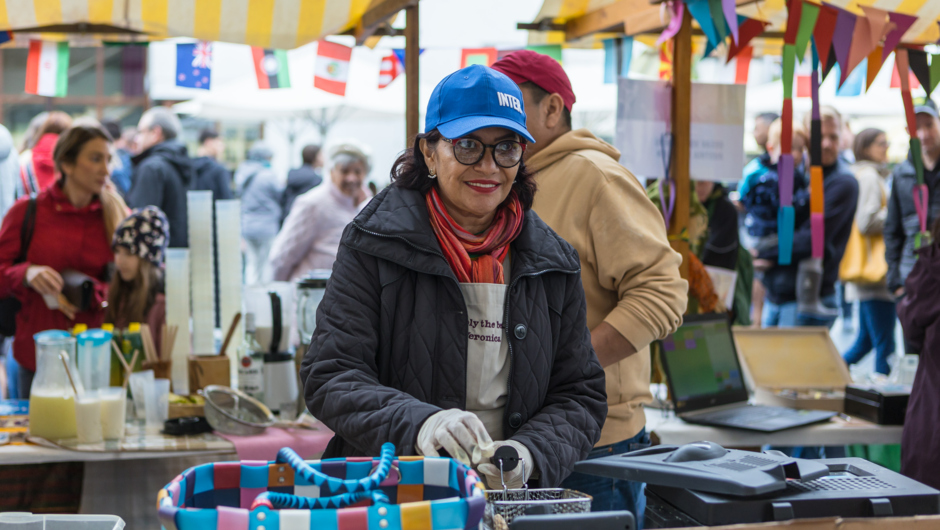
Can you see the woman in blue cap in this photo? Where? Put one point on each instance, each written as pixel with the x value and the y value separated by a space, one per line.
pixel 454 321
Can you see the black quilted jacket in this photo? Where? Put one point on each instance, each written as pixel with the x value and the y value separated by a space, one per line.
pixel 390 348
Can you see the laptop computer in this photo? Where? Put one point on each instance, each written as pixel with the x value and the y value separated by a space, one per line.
pixel 706 384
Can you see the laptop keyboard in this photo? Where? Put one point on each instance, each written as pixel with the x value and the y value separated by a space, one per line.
pixel 749 415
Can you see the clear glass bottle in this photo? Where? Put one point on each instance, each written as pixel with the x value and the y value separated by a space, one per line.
pixel 251 362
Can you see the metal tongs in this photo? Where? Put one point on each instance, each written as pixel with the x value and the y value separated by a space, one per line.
pixel 507 458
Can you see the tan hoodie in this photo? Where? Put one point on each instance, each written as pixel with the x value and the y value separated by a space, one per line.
pixel 630 273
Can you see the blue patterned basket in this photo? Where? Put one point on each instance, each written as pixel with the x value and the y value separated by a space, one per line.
pixel 385 493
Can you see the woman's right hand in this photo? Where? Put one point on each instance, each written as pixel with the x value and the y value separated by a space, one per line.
pixel 44 280
pixel 458 432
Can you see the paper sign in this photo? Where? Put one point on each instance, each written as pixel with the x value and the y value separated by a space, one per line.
pixel 785 179
pixel 723 280
pixel 818 228
pixel 717 129
pixel 785 220
pixel 822 35
pixel 810 13
pixel 901 23
pixel 816 202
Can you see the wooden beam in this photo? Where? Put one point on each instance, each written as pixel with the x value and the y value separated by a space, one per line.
pixel 682 138
pixel 412 74
pixel 604 19
pixel 378 13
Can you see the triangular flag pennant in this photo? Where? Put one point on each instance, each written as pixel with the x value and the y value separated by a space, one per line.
pixel 918 63
pixel 854 83
pixel 701 12
pixel 867 36
pixel 810 13
pixel 830 63
pixel 902 23
pixel 934 72
pixel 47 68
pixel 794 14
pixel 742 65
pixel 718 19
pixel 896 78
pixel 842 40
pixel 874 66
pixel 747 30
pixel 822 34
pixel 731 18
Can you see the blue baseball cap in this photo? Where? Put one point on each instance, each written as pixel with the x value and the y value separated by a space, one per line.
pixel 474 98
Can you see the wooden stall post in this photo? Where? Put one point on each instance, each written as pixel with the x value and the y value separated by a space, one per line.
pixel 681 130
pixel 412 51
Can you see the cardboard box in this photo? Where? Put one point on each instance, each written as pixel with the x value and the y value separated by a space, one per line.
pixel 919 522
pixel 793 367
pixel 208 370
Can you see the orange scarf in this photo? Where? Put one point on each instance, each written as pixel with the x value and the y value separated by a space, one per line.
pixel 489 248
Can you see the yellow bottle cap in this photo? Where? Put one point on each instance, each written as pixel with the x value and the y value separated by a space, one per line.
pixel 134 327
pixel 79 328
pixel 108 327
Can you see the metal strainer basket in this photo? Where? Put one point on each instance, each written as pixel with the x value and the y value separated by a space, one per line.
pixel 232 412
pixel 513 503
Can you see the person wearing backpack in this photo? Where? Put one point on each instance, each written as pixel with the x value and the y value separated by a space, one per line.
pixel 72 223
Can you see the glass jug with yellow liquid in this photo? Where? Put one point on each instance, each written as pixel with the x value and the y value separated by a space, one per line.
pixel 52 399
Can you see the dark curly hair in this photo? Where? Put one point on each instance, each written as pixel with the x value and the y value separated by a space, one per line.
pixel 410 172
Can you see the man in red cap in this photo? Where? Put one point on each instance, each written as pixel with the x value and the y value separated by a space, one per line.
pixel 630 274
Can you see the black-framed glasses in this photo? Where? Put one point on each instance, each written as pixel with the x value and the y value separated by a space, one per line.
pixel 469 151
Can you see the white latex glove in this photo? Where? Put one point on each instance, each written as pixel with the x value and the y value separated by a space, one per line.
pixel 514 479
pixel 458 432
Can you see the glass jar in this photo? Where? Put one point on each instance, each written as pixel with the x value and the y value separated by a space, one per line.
pixel 52 398
pixel 310 291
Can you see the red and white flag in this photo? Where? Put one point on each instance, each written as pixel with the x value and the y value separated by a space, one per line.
pixel 390 69
pixel 332 68
pixel 47 67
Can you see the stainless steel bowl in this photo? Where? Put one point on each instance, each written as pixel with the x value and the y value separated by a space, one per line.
pixel 230 411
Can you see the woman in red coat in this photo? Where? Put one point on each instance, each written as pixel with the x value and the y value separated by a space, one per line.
pixel 74 221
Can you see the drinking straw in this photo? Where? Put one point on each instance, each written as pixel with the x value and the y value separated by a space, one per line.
pixel 120 357
pixel 231 331
pixel 64 357
pixel 127 376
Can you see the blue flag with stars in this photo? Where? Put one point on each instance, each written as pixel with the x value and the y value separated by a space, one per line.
pixel 194 65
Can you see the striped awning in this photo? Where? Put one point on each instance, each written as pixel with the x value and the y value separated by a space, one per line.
pixel 925 30
pixel 284 24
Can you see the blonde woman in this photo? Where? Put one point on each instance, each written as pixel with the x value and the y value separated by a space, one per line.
pixel 74 220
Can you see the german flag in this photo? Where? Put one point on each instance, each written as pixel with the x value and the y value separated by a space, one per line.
pixel 271 68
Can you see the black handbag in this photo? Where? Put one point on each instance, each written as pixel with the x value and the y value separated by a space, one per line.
pixel 11 305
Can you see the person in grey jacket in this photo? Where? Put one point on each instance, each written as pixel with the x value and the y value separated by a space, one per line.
pixel 902 224
pixel 454 322
pixel 260 192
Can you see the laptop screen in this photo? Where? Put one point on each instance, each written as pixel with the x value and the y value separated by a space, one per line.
pixel 702 365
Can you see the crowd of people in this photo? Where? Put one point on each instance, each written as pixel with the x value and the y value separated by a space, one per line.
pixel 500 213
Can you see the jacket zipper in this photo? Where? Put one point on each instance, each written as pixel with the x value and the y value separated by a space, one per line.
pixel 512 283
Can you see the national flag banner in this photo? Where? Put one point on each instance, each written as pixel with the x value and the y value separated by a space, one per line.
pixel 332 68
pixel 665 60
pixel 391 68
pixel 194 65
pixel 271 68
pixel 47 68
pixel 6 36
pixel 484 56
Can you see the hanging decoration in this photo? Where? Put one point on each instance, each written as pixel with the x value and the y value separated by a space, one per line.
pixel 748 28
pixel 665 61
pixel 47 68
pixel 618 54
pixel 822 36
pixel 484 56
pixel 816 191
pixel 869 32
pixel 842 40
pixel 271 68
pixel 900 23
pixel 332 67
pixel 785 215
pixel 921 193
pixel 677 8
pixel 390 69
pixel 194 65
